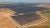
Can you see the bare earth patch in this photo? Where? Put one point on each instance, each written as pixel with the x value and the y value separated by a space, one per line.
pixel 5 21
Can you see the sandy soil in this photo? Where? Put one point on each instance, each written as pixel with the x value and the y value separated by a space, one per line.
pixel 5 21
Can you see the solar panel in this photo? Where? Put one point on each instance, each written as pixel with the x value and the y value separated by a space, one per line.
pixel 27 18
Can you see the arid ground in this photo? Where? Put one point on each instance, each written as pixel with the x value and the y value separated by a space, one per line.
pixel 5 21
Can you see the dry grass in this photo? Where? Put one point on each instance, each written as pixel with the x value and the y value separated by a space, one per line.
pixel 43 25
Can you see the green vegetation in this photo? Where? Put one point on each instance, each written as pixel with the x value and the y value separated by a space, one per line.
pixel 48 11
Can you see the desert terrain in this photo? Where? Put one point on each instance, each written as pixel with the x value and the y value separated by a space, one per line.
pixel 5 21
